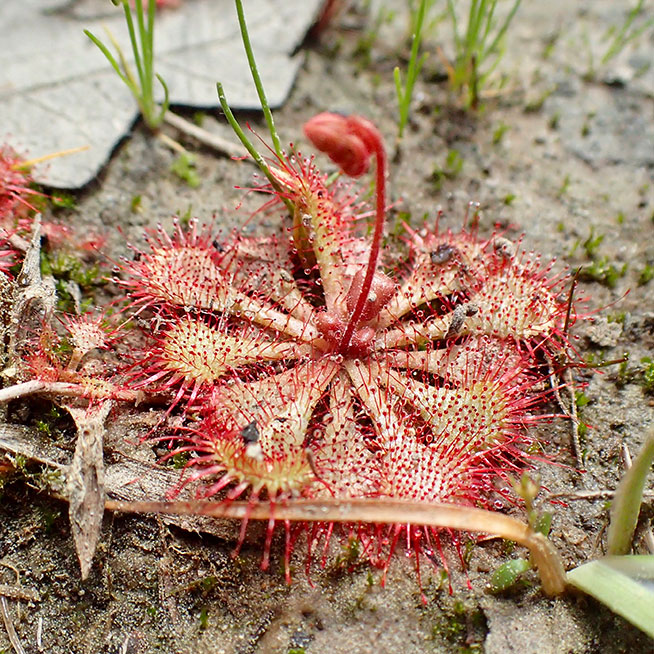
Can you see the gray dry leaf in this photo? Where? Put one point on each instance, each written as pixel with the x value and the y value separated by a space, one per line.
pixel 125 477
pixel 57 91
pixel 86 491
pixel 31 303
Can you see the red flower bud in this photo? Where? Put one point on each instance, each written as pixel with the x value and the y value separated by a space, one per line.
pixel 348 140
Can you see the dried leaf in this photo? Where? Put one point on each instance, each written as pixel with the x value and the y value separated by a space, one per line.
pixel 86 482
pixel 126 478
pixel 33 300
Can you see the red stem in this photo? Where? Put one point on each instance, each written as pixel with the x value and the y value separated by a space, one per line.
pixel 380 161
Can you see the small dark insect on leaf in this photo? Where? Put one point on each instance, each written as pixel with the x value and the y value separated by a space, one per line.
pixel 504 247
pixel 250 436
pixel 219 248
pixel 250 433
pixel 443 253
pixel 137 256
pixel 459 315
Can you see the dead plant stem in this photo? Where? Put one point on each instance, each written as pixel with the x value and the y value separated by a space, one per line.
pixel 449 516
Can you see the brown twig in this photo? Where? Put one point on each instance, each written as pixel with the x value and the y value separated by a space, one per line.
pixel 591 495
pixel 4 609
pixel 9 626
pixel 38 387
pixel 574 416
pixel 212 141
pixel 19 593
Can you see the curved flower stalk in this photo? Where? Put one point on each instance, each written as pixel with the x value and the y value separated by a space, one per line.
pixel 306 368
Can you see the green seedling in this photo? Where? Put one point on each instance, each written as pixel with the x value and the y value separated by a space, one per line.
pixel 647 374
pixel 510 572
pixel 630 30
pixel 135 206
pixel 535 105
pixel 508 575
pixel 592 243
pixel 452 167
pixel 646 275
pixel 499 132
pixel 554 120
pixel 623 375
pixel 581 400
pixel 405 91
pixel 186 216
pixel 565 185
pixel 627 500
pixel 603 272
pixel 184 168
pixel 141 85
pixel 478 50
pixel 63 201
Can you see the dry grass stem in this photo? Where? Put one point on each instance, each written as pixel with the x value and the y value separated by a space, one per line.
pixel 448 516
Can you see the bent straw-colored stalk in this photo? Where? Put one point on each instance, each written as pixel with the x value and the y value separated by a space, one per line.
pixel 449 516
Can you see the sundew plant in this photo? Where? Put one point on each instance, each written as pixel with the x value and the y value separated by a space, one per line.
pixel 306 365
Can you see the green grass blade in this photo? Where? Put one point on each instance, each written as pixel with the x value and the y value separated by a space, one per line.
pixel 259 160
pixel 472 33
pixel 147 46
pixel 110 58
pixel 166 101
pixel 502 31
pixel 397 76
pixel 134 41
pixel 245 36
pixel 455 26
pixel 489 24
pixel 628 497
pixel 625 584
pixel 405 94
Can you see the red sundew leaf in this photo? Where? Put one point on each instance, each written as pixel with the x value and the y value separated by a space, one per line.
pixel 442 264
pixel 197 353
pixel 256 431
pixel 187 272
pixel 413 333
pixel 7 256
pixel 87 333
pixel 291 395
pixel 517 300
pixel 263 267
pixel 345 464
pixel 323 224
pixel 182 275
pixel 15 189
pixel 462 361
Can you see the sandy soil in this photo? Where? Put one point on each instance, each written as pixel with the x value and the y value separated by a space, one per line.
pixel 575 159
